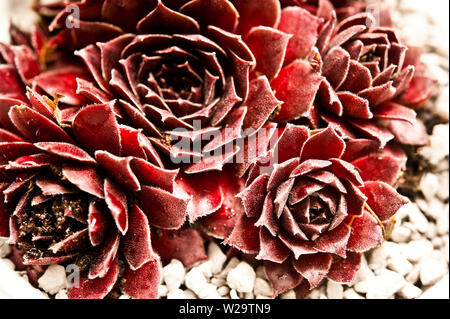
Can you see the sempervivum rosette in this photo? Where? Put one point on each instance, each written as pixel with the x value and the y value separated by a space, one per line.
pixel 183 75
pixel 85 191
pixel 312 215
pixel 367 88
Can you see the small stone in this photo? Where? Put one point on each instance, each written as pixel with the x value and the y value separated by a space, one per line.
pixel 417 218
pixel 249 295
pixel 443 191
pixel 261 272
pixel 442 225
pixel 351 294
pixel 418 249
pixel 209 291
pixel 364 272
pixel 429 185
pixel 437 242
pixel 124 297
pixel 379 256
pixel 383 286
pixel 218 281
pixel 223 291
pixel 242 278
pixel 314 294
pixel 432 208
pixel 334 290
pixel 290 294
pixel 62 294
pixel 409 291
pixel 5 249
pixel 262 287
pixel 173 274
pixel 439 144
pixel 233 294
pixel 400 264
pixel 162 290
pixel 217 257
pixel 190 294
pixel 231 265
pixel 195 280
pixel 414 275
pixel 53 280
pixel 8 263
pixel 432 270
pixel 176 294
pixel 401 234
pixel 206 269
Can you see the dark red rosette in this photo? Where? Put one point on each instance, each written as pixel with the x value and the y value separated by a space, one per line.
pixel 182 75
pixel 367 81
pixel 312 215
pixel 77 186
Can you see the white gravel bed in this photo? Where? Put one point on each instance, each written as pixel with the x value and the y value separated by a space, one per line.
pixel 412 264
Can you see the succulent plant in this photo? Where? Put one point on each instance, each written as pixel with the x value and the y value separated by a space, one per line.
pixel 78 186
pixel 311 215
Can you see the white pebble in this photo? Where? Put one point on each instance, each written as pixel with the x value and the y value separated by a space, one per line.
pixel 62 294
pixel 414 275
pixel 418 249
pixel 351 294
pixel 439 144
pixel 429 185
pixel 216 256
pixel 249 295
pixel 383 286
pixel 417 218
pixel 53 280
pixel 334 290
pixel 176 294
pixel 190 294
pixel 195 280
pixel 262 287
pixel 7 262
pixel 231 265
pixel 379 256
pixel 173 274
pixel 209 291
pixel 5 249
pixel 233 294
pixel 442 225
pixel 223 291
pixel 218 281
pixel 242 278
pixel 364 272
pixel 400 264
pixel 206 269
pixel 410 291
pixel 401 234
pixel 290 294
pixel 432 270
pixel 124 297
pixel 162 290
pixel 443 191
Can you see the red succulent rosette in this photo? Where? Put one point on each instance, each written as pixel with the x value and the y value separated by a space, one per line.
pixel 77 186
pixel 183 74
pixel 312 215
pixel 353 74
